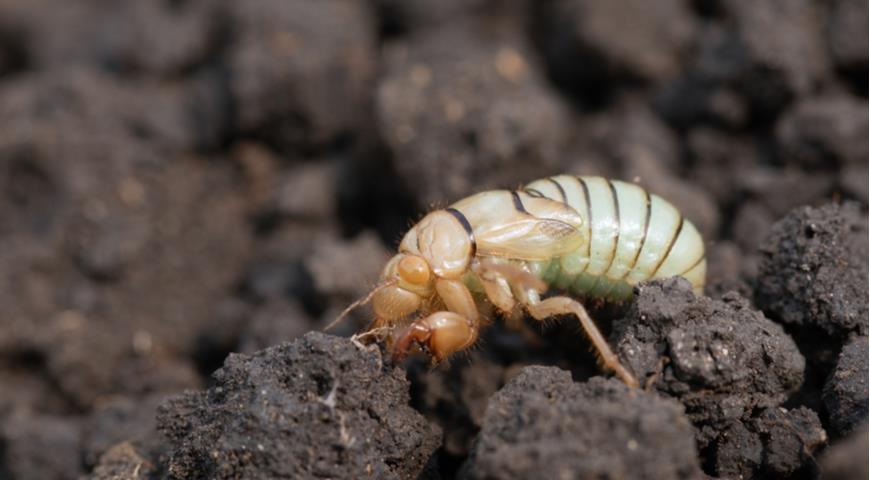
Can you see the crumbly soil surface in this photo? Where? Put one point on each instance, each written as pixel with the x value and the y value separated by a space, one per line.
pixel 188 188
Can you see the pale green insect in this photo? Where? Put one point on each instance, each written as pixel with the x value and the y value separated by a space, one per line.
pixel 587 236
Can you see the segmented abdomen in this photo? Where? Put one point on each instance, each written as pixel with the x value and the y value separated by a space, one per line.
pixel 633 236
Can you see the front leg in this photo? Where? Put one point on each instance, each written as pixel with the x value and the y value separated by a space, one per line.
pixel 442 333
pixel 446 332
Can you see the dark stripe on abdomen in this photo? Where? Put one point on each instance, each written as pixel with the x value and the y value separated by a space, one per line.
pixel 518 202
pixel 588 214
pixel 643 236
pixel 534 193
pixel 670 247
pixel 561 190
pixel 615 199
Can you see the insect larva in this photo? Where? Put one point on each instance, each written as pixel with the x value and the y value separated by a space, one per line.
pixel 587 236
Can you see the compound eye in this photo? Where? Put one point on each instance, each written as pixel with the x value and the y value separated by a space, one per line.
pixel 414 269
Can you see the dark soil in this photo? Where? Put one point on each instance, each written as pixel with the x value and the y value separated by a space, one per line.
pixel 544 425
pixel 181 180
pixel 720 358
pixel 317 407
pixel 845 393
pixel 809 276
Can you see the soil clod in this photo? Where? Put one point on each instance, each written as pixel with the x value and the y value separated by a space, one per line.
pixel 316 407
pixel 544 425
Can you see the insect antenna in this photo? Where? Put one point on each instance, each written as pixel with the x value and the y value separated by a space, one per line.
pixel 362 301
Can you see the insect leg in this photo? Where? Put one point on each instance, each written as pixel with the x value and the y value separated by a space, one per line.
pixel 497 279
pixel 496 287
pixel 541 309
pixel 446 332
pixel 442 333
pixel 513 274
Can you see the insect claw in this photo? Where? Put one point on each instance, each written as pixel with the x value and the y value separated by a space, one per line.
pixel 397 358
pixel 414 335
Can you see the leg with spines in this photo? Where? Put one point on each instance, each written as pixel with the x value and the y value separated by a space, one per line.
pixel 528 294
pixel 444 332
pixel 542 309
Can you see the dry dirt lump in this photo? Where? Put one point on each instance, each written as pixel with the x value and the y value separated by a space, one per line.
pixel 845 393
pixel 721 358
pixel 813 270
pixel 317 407
pixel 544 425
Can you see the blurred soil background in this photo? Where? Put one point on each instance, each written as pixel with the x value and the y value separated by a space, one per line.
pixel 183 179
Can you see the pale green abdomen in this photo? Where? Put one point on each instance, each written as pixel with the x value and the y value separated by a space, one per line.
pixel 583 284
pixel 632 236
